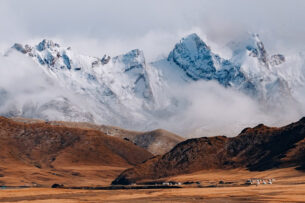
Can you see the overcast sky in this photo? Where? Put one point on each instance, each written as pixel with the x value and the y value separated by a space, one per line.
pixel 96 26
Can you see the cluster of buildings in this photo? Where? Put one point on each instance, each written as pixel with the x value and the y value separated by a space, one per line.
pixel 258 181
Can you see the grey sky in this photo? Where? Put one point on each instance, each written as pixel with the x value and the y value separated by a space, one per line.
pixel 96 27
pixel 126 24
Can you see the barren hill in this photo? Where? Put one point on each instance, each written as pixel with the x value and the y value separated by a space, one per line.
pixel 41 148
pixel 258 148
pixel 157 142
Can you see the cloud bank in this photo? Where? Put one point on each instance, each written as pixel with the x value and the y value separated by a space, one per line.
pixel 154 26
pixel 95 27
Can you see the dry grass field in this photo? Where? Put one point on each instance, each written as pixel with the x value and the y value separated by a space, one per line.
pixel 36 156
pixel 289 186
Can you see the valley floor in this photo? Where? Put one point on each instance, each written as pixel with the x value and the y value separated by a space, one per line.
pixel 268 193
pixel 289 186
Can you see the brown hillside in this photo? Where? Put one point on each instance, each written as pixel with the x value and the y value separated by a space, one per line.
pixel 258 148
pixel 157 142
pixel 40 147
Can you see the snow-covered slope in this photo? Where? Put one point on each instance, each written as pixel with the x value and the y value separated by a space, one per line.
pixel 121 76
pixel 250 70
pixel 127 91
pixel 199 62
pixel 117 88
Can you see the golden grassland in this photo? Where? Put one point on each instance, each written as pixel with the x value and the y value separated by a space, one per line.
pixel 289 186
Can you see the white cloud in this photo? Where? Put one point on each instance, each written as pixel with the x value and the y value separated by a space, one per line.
pixel 96 27
pixel 211 109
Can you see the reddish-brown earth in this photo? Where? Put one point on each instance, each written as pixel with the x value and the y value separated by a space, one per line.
pixel 42 154
pixel 39 153
pixel 157 142
pixel 257 149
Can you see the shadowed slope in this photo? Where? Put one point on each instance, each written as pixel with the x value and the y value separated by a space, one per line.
pixel 258 148
pixel 157 142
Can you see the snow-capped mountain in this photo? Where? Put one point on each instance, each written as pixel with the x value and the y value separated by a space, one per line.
pixel 199 62
pixel 126 90
pixel 128 70
pixel 117 87
pixel 257 80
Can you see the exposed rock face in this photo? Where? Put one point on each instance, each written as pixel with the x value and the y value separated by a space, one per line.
pixel 135 67
pixel 258 148
pixel 277 59
pixel 199 63
pixel 105 59
pixel 257 49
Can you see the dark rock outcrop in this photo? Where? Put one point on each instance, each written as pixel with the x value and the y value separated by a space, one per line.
pixel 259 148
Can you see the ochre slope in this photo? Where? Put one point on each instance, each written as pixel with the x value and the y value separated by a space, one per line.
pixel 259 148
pixel 40 148
pixel 157 142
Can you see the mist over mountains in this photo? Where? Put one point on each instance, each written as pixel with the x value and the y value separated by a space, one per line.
pixel 152 101
pixel 159 75
pixel 193 90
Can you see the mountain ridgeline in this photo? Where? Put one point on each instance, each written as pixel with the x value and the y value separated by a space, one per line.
pixel 46 146
pixel 130 92
pixel 257 149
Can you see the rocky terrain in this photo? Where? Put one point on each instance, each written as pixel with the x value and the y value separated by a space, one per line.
pixel 199 62
pixel 84 160
pixel 257 149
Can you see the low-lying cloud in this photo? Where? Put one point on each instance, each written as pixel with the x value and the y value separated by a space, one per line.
pixel 114 27
pixel 211 109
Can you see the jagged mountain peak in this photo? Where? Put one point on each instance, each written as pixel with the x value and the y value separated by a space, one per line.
pixel 53 55
pixel 41 46
pixel 191 46
pixel 254 47
pixel 192 36
pixel 112 83
pixel 131 58
pixel 44 44
pixel 257 49
pixel 199 62
pixel 193 56
pixel 194 43
pixel 249 70
pixel 128 91
pixel 134 66
pixel 48 53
